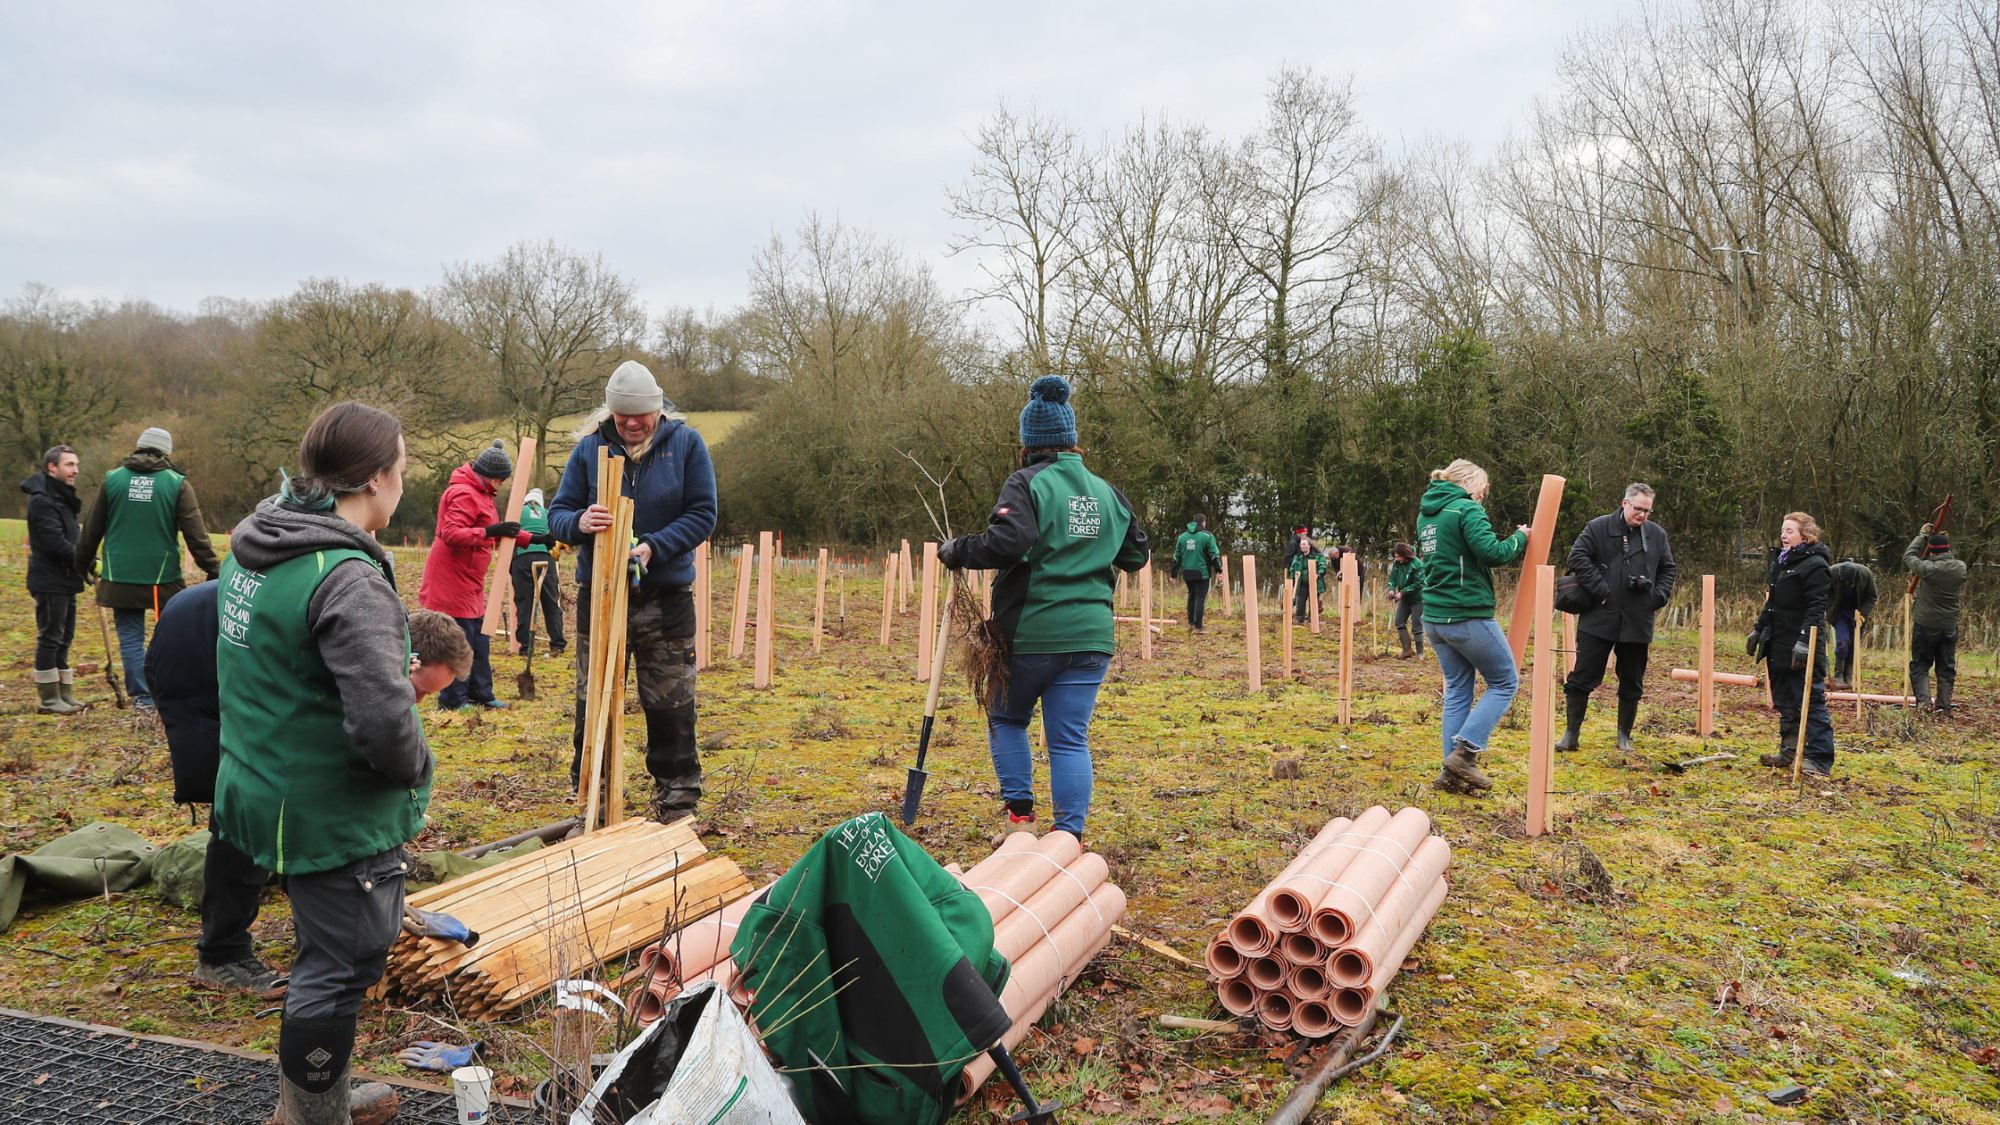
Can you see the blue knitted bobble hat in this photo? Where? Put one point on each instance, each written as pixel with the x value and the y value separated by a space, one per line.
pixel 1047 419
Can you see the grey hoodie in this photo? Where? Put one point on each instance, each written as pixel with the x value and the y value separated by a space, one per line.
pixel 361 626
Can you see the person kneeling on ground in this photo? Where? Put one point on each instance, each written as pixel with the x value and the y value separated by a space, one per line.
pixel 1801 579
pixel 1056 533
pixel 325 773
pixel 1459 554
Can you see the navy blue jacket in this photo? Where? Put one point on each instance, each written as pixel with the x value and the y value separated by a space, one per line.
pixel 672 486
pixel 53 529
pixel 180 670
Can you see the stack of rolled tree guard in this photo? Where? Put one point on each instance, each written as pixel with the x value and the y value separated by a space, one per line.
pixel 1318 944
pixel 697 951
pixel 1052 905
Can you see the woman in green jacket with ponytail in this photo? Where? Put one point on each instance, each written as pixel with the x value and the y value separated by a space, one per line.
pixel 1459 551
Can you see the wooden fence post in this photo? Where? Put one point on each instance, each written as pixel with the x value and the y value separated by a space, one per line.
pixel 767 608
pixel 1542 702
pixel 702 609
pixel 888 595
pixel 906 576
pixel 1350 588
pixel 1312 593
pixel 1252 643
pixel 1223 573
pixel 1704 694
pixel 739 613
pixel 1146 611
pixel 819 602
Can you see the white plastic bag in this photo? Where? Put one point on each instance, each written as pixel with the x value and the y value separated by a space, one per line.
pixel 723 1077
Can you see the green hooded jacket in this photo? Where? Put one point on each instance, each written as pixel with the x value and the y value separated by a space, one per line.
pixel 1458 550
pixel 1195 552
pixel 1406 577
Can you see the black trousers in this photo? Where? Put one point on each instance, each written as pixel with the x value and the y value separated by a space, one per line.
pixel 477 686
pixel 1928 648
pixel 1302 601
pixel 1788 688
pixel 523 574
pixel 231 886
pixel 346 920
pixel 1197 605
pixel 1410 612
pixel 55 629
pixel 1593 653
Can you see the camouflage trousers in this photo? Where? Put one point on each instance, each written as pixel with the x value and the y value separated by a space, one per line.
pixel 659 648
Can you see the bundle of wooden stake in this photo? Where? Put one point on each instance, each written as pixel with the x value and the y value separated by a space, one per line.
pixel 558 912
pixel 1318 944
pixel 603 788
pixel 1053 908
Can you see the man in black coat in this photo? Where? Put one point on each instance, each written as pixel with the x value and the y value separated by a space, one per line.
pixel 180 668
pixel 1623 561
pixel 53 528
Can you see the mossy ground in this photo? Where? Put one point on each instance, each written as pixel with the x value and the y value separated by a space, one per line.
pixel 1854 919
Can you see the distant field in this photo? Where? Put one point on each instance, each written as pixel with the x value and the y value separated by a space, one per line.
pixel 714 426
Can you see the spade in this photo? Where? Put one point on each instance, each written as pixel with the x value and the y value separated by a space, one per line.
pixel 913 792
pixel 524 684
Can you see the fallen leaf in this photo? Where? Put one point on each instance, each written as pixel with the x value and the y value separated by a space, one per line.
pixel 1394 1097
pixel 1725 994
pixel 1623 962
pixel 42 1079
pixel 1084 1046
pixel 1410 963
pixel 1720 1105
pixel 1149 1085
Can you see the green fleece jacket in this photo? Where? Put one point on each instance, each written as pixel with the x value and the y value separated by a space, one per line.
pixel 1195 552
pixel 1458 549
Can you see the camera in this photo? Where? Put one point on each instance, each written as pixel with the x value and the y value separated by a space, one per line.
pixel 1639 582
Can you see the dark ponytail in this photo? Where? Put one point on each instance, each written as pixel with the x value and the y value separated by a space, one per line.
pixel 345 446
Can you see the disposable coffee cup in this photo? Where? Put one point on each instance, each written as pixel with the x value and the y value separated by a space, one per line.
pixel 472 1087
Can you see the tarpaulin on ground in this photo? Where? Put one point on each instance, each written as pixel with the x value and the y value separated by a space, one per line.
pixel 88 861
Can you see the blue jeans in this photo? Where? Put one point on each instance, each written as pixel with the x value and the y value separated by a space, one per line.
pixel 132 653
pixel 1066 683
pixel 1465 650
pixel 1843 637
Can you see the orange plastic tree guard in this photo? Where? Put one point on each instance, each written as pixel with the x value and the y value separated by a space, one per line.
pixel 906 577
pixel 1223 573
pixel 1805 701
pixel 1146 611
pixel 1251 930
pixel 1350 1005
pixel 1730 679
pixel 1350 590
pixel 1238 997
pixel 1308 981
pixel 819 602
pixel 1858 698
pixel 1253 642
pixel 767 609
pixel 1348 904
pixel 1312 1018
pixel 1312 584
pixel 701 945
pixel 1267 972
pixel 1222 957
pixel 1293 898
pixel 1353 964
pixel 1030 1011
pixel 888 595
pixel 1541 535
pixel 1542 704
pixel 1275 1010
pixel 1015 842
pixel 1301 949
pixel 1569 642
pixel 927 609
pixel 1285 620
pixel 703 609
pixel 739 613
pixel 1704 696
pixel 1020 874
pixel 1064 891
pixel 503 551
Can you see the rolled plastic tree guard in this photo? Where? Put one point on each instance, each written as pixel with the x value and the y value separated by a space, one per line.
pixel 1292 901
pixel 1020 874
pixel 1350 1005
pixel 1251 930
pixel 1038 915
pixel 1312 1019
pixel 1355 962
pixel 1238 996
pixel 1223 958
pixel 1349 904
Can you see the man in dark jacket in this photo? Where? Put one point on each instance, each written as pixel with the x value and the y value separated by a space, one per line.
pixel 180 668
pixel 1853 595
pixel 672 486
pixel 1940 596
pixel 143 512
pixel 1625 563
pixel 52 580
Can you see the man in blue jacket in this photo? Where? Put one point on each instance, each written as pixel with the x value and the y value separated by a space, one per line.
pixel 671 483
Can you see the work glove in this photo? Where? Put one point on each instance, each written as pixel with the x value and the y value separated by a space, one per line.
pixel 542 539
pixel 1753 644
pixel 440 1057
pixel 948 554
pixel 1799 656
pixel 430 923
pixel 1927 529
pixel 505 529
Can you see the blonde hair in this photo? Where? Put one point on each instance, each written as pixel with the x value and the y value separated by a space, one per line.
pixel 1464 474
pixel 1808 527
pixel 603 414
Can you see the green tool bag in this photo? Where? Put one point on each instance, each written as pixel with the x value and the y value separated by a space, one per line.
pixel 178 870
pixel 873 978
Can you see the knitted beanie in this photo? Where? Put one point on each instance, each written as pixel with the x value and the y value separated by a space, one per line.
pixel 493 462
pixel 1047 420
pixel 1939 541
pixel 157 438
pixel 535 497
pixel 633 390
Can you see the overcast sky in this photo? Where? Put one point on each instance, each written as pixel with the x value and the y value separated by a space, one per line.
pixel 181 150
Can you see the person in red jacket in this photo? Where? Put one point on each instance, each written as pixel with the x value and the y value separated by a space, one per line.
pixel 454 584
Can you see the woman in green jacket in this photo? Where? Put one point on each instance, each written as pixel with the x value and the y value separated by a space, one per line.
pixel 1458 551
pixel 325 774
pixel 1058 536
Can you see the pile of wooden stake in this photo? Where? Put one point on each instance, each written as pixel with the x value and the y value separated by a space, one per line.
pixel 1315 948
pixel 603 783
pixel 558 912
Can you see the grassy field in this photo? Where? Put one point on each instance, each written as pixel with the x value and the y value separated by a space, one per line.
pixel 1855 918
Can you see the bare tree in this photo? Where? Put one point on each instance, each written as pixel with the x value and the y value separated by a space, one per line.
pixel 55 383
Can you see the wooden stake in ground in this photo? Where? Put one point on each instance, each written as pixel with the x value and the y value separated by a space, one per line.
pixel 739 612
pixel 1285 620
pixel 1253 646
pixel 1854 682
pixel 110 657
pixel 1909 682
pixel 1123 603
pixel 1704 694
pixel 1146 611
pixel 888 595
pixel 927 608
pixel 1541 535
pixel 1569 642
pixel 1805 702
pixel 986 589
pixel 767 609
pixel 1350 589
pixel 1542 704
pixel 1222 572
pixel 819 602
pixel 1312 593
pixel 503 552
pixel 702 608
pixel 906 575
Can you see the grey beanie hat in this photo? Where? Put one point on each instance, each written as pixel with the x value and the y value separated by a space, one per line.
pixel 633 390
pixel 156 438
pixel 493 462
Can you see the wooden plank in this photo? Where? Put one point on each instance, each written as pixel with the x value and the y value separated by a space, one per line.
pixel 1542 704
pixel 1253 643
pixel 530 865
pixel 819 602
pixel 1350 592
pixel 1541 535
pixel 1704 722
pixel 739 611
pixel 1312 594
pixel 927 608
pixel 502 578
pixel 888 595
pixel 766 608
pixel 703 609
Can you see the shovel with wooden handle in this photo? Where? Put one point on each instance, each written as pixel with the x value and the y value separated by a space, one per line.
pixel 524 684
pixel 110 657
pixel 913 791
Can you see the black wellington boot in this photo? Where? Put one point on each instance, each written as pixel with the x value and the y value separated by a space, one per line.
pixel 1628 712
pixel 1576 706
